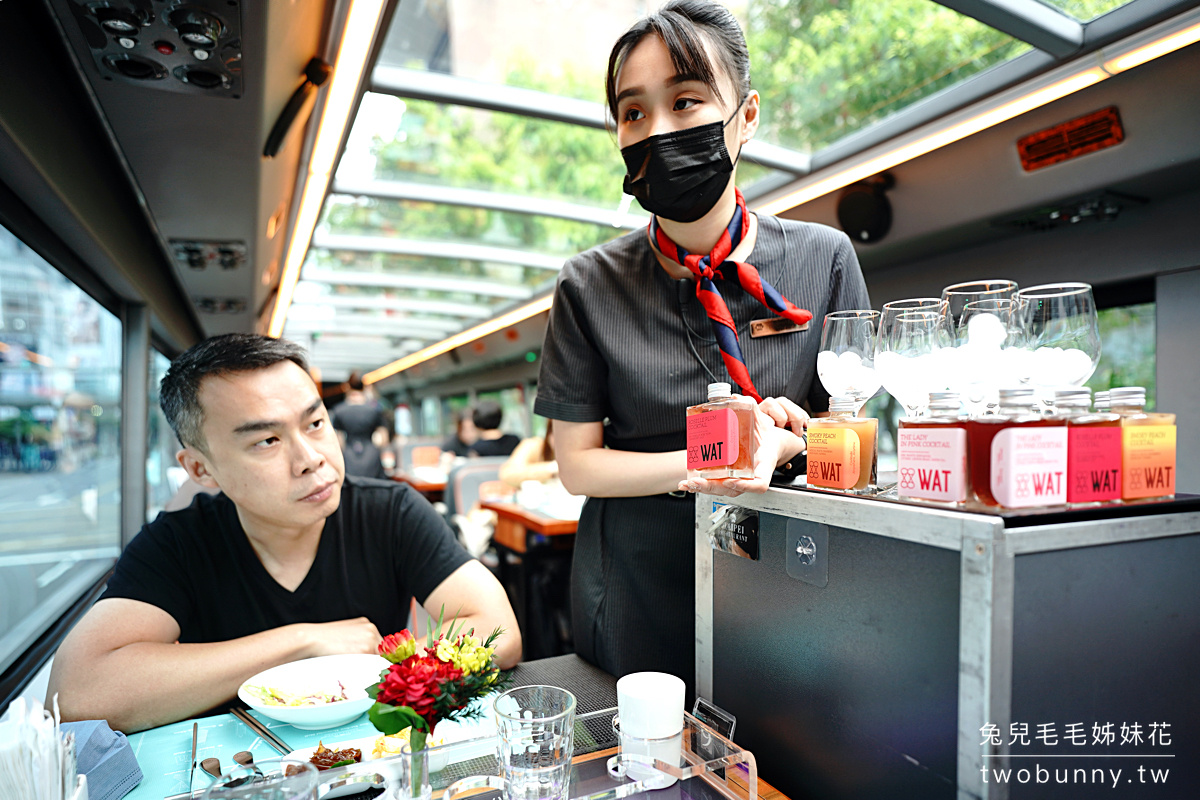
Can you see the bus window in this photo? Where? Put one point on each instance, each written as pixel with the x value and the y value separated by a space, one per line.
pixel 60 461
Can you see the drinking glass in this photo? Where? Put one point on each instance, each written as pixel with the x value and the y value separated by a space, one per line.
pixel 536 726
pixel 274 779
pixel 1062 334
pixel 846 360
pixel 958 295
pixel 911 359
pixel 896 307
pixel 991 353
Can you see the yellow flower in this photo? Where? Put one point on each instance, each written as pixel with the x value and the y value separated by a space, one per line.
pixel 466 653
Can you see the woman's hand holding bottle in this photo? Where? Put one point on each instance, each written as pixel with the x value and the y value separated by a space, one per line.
pixel 780 423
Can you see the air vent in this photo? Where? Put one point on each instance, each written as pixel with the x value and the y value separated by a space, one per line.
pixel 1086 134
pixel 202 255
pixel 1101 207
pixel 220 305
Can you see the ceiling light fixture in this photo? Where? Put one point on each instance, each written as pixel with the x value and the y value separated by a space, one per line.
pixel 463 337
pixel 361 24
pixel 1065 80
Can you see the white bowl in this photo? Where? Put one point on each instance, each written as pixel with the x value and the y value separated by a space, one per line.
pixel 321 674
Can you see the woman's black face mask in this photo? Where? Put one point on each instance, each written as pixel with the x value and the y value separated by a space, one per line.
pixel 683 172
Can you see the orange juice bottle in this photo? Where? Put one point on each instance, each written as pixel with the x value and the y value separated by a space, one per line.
pixel 842 449
pixel 1147 446
pixel 721 436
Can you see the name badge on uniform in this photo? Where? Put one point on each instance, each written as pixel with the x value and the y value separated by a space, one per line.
pixel 774 326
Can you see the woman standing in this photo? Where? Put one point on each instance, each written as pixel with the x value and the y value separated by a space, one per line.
pixel 361 429
pixel 640 326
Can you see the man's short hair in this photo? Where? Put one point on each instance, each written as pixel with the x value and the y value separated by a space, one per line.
pixel 487 415
pixel 179 393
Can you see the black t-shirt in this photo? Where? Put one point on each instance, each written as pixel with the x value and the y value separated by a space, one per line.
pixel 383 545
pixel 455 445
pixel 496 447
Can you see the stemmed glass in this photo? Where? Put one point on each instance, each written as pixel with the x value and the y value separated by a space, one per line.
pixel 846 360
pixel 909 358
pixel 991 352
pixel 1062 334
pixel 896 307
pixel 958 295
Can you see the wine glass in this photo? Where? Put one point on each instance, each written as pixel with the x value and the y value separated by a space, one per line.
pixel 910 358
pixel 846 360
pixel 1062 334
pixel 991 352
pixel 958 295
pixel 896 307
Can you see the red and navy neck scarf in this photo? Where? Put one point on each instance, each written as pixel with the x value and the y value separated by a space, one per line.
pixel 716 265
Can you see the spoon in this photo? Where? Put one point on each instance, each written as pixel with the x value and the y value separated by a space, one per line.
pixel 244 757
pixel 212 766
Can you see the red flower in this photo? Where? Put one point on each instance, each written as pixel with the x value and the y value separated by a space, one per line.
pixel 397 647
pixel 417 683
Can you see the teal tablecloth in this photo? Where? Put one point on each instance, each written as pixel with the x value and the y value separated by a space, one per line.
pixel 164 754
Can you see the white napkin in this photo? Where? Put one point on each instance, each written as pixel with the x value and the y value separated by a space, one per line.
pixel 36 761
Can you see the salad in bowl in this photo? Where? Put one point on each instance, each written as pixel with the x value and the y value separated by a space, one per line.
pixel 315 693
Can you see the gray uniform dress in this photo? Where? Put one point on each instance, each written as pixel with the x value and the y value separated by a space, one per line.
pixel 617 350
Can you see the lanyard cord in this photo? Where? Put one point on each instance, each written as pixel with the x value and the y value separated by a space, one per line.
pixel 681 294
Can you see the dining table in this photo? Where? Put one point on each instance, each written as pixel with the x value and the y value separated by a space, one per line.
pixel 432 487
pixel 165 753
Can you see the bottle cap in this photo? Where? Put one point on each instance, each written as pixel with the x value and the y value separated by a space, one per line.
pixel 843 404
pixel 1127 396
pixel 1101 400
pixel 1023 393
pixel 716 390
pixel 1074 398
pixel 945 401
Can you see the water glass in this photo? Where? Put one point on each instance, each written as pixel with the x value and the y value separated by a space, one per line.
pixel 536 727
pixel 274 779
pixel 846 360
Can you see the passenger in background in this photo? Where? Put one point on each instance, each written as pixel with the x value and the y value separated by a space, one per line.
pixel 458 444
pixel 292 559
pixel 632 339
pixel 532 460
pixel 491 441
pixel 362 431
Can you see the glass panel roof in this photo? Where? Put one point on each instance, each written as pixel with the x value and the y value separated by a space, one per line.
pixel 425 142
pixel 835 67
pixel 412 267
pixel 443 214
pixel 1086 10
pixel 452 223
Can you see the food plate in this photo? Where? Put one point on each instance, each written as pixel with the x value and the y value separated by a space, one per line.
pixel 324 675
pixel 448 732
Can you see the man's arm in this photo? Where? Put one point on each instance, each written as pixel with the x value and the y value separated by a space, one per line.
pixel 473 594
pixel 122 663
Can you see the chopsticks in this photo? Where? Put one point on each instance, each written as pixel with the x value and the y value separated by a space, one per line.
pixel 265 734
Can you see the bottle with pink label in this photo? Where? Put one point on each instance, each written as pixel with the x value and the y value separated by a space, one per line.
pixel 1093 449
pixel 932 453
pixel 1018 458
pixel 721 436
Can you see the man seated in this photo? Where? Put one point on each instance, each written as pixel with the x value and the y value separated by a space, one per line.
pixel 291 560
pixel 491 441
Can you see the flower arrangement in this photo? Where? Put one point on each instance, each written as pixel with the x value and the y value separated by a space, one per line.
pixel 425 685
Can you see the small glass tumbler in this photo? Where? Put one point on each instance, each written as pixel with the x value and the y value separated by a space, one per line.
pixel 275 779
pixel 536 726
